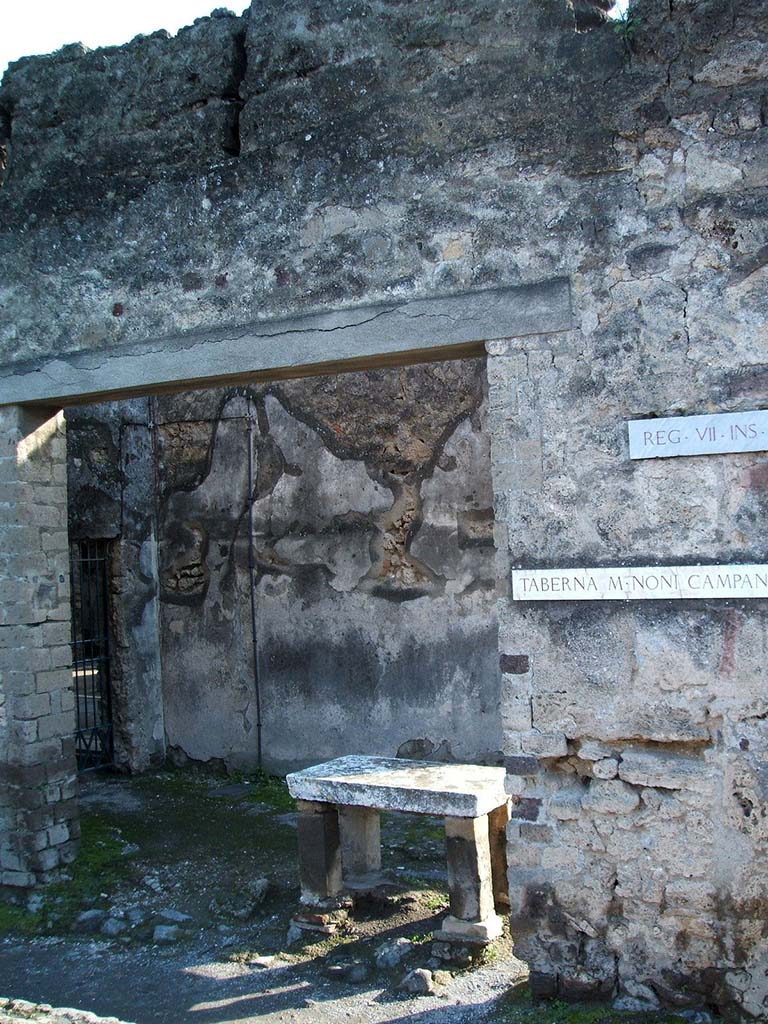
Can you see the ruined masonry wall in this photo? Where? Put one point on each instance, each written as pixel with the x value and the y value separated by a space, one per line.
pixel 315 156
pixel 39 827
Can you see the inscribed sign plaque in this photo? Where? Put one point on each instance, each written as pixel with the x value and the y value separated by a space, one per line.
pixel 638 583
pixel 699 435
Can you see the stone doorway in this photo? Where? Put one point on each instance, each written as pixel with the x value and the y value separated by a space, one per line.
pixel 365 553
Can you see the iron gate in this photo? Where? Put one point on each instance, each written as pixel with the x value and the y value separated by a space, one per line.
pixel 89 571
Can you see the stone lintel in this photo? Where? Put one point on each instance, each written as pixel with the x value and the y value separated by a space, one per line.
pixel 392 784
pixel 394 332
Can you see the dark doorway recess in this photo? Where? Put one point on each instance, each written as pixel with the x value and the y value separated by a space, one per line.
pixel 89 567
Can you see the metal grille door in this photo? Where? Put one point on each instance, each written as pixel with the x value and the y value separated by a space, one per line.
pixel 89 566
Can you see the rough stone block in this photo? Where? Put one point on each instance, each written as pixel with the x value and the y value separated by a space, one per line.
pixel 565 805
pixel 19 683
pixel 46 516
pixel 55 679
pixel 56 634
pixel 35 705
pixel 607 768
pixel 20 636
pixel 69 788
pixel 516 714
pixel 68 851
pixel 663 769
pixel 18 879
pixel 610 797
pixel 26 659
pixel 39 840
pixel 66 700
pixel 65 810
pixel 522 764
pixel 46 860
pixel 690 894
pixel 454 929
pixel 55 541
pixel 39 818
pixel 39 752
pixel 24 732
pixel 515 664
pixel 21 776
pixel 531 832
pixel 14 614
pixel 360 831
pixel 545 744
pixel 543 984
pixel 60 725
pixel 10 860
pixel 27 799
pixel 319 852
pixel 592 750
pixel 58 834
pixel 469 868
pixel 527 808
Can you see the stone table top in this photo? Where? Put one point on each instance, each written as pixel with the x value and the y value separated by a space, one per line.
pixel 392 784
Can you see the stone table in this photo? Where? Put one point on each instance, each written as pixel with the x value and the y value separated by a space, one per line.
pixel 339 803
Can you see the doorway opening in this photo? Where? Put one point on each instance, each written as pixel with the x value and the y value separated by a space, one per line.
pixel 94 734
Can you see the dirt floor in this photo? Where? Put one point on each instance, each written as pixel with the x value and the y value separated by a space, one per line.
pixel 178 911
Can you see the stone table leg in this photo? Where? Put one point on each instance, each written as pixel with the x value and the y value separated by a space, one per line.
pixel 472 917
pixel 319 851
pixel 360 829
pixel 497 836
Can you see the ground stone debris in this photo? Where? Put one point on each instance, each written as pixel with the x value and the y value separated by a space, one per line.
pixel 90 921
pixel 418 982
pixel 13 1010
pixel 389 954
pixel 174 916
pixel 113 927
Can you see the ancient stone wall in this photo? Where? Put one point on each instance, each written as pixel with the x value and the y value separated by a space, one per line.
pixel 111 476
pixel 312 156
pixel 373 567
pixel 635 731
pixel 39 826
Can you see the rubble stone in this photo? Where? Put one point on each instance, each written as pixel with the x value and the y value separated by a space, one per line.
pixel 419 982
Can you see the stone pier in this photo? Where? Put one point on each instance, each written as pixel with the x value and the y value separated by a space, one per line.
pixel 38 785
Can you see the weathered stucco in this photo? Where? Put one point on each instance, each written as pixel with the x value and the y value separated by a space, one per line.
pixel 373 570
pixel 311 157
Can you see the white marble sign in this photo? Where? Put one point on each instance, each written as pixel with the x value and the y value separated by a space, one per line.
pixel 699 435
pixel 640 583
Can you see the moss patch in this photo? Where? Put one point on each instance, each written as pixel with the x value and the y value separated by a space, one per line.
pixel 16 920
pixel 267 789
pixel 517 1007
pixel 100 868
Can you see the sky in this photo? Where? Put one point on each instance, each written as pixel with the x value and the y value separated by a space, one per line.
pixel 41 26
